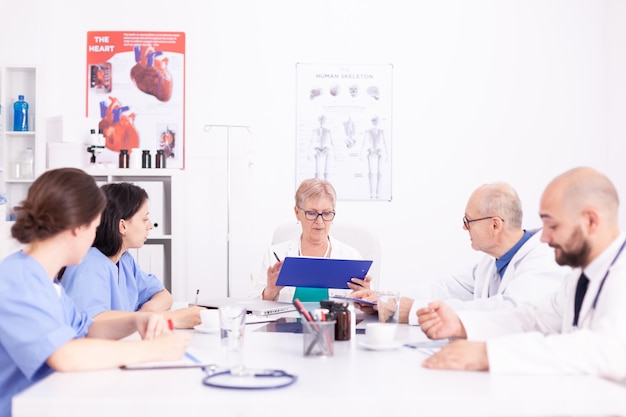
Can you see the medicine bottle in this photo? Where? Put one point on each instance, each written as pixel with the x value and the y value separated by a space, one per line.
pixel 343 325
pixel 146 159
pixel 20 115
pixel 124 158
pixel 159 159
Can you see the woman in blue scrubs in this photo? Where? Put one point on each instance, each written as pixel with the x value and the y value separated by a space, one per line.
pixel 41 330
pixel 108 282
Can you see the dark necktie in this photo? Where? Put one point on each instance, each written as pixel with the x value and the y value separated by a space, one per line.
pixel 581 289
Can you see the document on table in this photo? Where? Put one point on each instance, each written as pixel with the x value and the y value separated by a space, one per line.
pixel 191 359
pixel 428 346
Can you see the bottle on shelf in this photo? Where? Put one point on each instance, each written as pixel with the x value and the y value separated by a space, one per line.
pixel 20 115
pixel 124 158
pixel 159 159
pixel 27 164
pixel 146 159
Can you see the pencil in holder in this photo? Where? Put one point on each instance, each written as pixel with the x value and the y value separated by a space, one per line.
pixel 318 338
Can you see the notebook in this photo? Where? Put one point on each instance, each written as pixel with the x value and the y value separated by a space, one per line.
pixel 254 306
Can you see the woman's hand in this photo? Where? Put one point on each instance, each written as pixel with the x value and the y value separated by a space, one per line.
pixel 357 284
pixel 185 318
pixel 150 325
pixel 368 295
pixel 271 290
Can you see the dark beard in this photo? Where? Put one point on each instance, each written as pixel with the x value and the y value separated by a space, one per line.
pixel 575 257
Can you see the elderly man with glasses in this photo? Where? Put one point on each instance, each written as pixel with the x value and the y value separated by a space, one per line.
pixel 517 267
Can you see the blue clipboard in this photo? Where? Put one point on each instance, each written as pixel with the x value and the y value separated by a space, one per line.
pixel 321 272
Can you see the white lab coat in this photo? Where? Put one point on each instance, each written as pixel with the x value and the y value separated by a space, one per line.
pixel 339 250
pixel 550 344
pixel 532 275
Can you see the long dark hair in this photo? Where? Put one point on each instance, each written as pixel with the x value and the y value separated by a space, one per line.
pixel 123 201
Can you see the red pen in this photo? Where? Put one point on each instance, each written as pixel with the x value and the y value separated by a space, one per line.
pixel 304 312
pixel 170 324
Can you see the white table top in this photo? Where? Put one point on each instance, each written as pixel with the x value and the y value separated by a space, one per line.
pixel 353 382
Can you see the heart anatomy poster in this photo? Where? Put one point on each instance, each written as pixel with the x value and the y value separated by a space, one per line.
pixel 136 94
pixel 343 128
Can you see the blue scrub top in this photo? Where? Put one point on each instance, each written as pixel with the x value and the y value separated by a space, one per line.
pixel 37 318
pixel 97 284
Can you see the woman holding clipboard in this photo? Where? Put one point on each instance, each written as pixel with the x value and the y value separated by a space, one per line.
pixel 314 210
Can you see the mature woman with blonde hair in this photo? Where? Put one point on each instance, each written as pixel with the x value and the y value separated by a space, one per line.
pixel 315 210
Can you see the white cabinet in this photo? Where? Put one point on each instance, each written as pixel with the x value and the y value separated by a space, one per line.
pixel 14 183
pixel 163 253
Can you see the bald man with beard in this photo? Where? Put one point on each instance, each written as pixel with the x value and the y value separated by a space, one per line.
pixel 582 330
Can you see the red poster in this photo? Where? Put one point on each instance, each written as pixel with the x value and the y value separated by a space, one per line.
pixel 136 93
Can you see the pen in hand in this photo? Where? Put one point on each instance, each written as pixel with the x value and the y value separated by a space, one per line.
pixel 197 293
pixel 277 258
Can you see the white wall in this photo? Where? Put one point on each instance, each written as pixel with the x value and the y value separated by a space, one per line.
pixel 514 91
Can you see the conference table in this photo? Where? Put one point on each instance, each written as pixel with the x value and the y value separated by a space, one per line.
pixel 355 381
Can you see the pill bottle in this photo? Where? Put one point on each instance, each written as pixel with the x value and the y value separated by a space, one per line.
pixel 159 159
pixel 343 321
pixel 146 159
pixel 124 158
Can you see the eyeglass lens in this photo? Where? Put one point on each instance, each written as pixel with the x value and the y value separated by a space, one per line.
pixel 313 215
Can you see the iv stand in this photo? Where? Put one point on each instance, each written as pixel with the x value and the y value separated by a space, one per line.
pixel 207 128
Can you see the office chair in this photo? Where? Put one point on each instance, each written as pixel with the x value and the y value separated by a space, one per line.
pixel 356 236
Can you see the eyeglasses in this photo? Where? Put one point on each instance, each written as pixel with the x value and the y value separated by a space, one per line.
pixel 466 221
pixel 313 215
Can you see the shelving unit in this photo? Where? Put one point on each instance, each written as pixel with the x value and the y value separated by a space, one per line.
pixel 163 185
pixel 164 190
pixel 16 81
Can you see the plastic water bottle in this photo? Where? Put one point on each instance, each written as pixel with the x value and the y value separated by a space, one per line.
pixel 20 115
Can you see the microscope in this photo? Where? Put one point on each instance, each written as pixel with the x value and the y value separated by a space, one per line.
pixel 97 145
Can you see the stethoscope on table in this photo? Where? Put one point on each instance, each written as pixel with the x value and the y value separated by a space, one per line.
pixel 248 379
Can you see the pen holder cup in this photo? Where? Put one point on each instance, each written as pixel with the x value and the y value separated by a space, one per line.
pixel 318 338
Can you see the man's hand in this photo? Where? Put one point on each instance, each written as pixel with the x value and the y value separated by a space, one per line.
pixel 460 355
pixel 439 321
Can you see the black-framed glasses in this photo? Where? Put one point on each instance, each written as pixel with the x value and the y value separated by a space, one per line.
pixel 313 215
pixel 466 221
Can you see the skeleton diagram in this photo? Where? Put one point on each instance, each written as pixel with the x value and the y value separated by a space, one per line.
pixel 321 147
pixel 348 127
pixel 374 143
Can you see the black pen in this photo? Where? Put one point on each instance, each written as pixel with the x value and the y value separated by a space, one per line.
pixel 276 256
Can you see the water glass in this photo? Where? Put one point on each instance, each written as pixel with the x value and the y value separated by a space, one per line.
pixel 232 331
pixel 388 306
